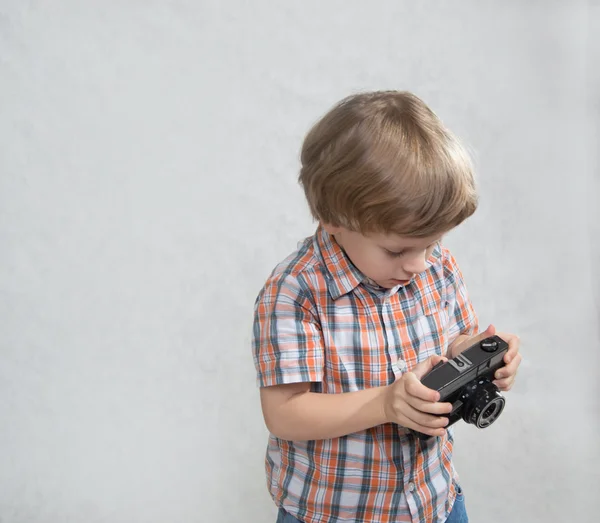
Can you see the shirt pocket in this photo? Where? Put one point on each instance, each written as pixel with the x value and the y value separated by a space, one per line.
pixel 431 327
pixel 422 330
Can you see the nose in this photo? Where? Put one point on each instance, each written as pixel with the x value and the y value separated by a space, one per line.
pixel 415 264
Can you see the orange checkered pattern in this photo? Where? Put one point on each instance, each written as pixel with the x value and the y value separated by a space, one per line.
pixel 319 320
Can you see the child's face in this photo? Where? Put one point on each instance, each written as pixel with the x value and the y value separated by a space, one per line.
pixel 387 259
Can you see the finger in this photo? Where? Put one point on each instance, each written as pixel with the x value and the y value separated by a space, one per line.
pixel 425 366
pixel 472 340
pixel 425 420
pixel 513 346
pixel 490 331
pixel 509 369
pixel 428 407
pixel 511 353
pixel 416 389
pixel 505 384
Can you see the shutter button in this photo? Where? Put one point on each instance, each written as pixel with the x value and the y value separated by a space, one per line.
pixel 489 345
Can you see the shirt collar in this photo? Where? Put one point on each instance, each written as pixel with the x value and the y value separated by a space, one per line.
pixel 342 275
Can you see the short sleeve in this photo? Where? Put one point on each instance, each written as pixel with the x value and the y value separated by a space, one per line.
pixel 462 316
pixel 287 340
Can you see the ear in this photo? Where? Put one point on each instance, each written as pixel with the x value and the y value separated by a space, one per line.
pixel 331 229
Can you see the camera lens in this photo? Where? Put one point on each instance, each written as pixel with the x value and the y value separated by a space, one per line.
pixel 484 406
pixel 490 410
pixel 491 413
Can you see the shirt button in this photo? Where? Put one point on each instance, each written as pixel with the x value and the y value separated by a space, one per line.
pixel 401 365
pixel 411 487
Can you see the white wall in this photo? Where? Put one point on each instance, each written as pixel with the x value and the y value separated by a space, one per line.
pixel 148 162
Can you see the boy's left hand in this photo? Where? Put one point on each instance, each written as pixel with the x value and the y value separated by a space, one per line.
pixel 505 376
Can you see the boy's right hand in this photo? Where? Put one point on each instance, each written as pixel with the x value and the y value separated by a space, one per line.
pixel 411 404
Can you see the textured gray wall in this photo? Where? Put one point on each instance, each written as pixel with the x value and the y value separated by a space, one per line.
pixel 148 161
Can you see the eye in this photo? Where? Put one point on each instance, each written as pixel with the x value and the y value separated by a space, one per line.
pixel 394 254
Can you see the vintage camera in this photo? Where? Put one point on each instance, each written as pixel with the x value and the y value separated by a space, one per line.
pixel 466 381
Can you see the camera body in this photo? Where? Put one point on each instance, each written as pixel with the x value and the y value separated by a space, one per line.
pixel 466 381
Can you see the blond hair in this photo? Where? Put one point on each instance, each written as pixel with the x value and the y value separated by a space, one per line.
pixel 384 162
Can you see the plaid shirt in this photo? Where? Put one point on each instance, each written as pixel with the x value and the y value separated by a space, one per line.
pixel 319 320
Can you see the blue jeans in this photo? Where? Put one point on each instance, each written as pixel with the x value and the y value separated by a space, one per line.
pixel 457 515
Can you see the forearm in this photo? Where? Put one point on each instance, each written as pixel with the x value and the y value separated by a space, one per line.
pixel 314 416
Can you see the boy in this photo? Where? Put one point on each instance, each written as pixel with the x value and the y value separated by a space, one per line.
pixel 346 326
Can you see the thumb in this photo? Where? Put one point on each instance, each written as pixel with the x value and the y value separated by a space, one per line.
pixel 472 340
pixel 425 366
pixel 490 331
